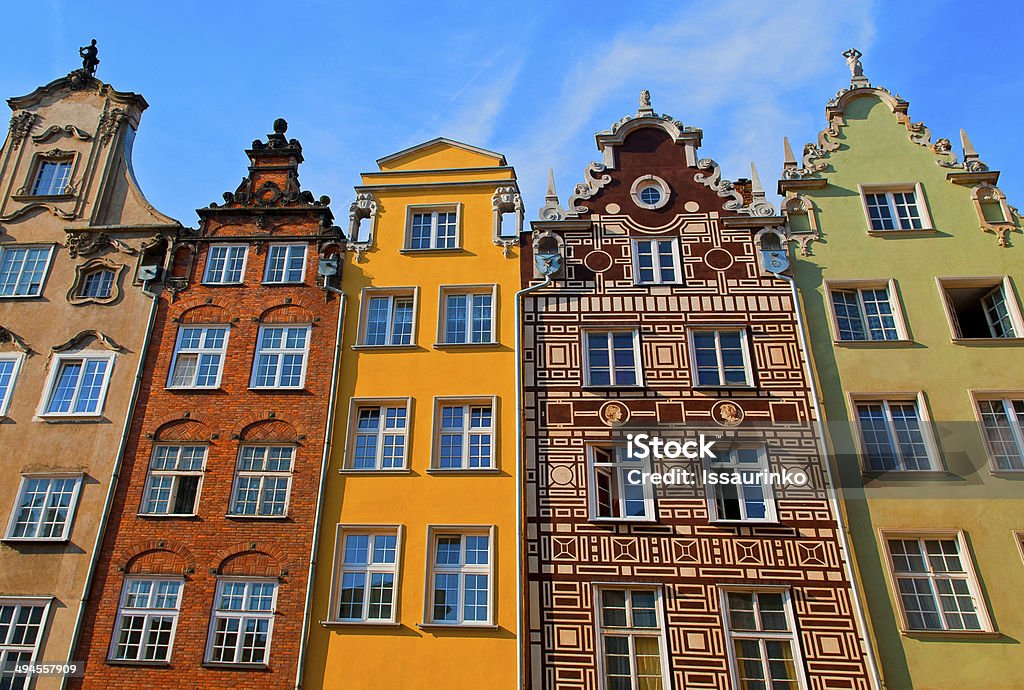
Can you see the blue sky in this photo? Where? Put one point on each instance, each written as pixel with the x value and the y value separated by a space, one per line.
pixel 534 80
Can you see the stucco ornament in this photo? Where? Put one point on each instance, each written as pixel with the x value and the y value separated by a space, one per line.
pixel 10 337
pixel 84 243
pixel 109 123
pixel 363 208
pixel 711 177
pixel 595 179
pixel 21 125
pixel 507 200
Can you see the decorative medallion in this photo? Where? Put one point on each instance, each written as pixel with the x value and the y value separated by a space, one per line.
pixel 727 413
pixel 691 206
pixel 614 413
pixel 718 259
pixel 598 261
pixel 560 475
pixel 612 208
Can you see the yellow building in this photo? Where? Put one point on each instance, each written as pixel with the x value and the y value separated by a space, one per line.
pixel 416 564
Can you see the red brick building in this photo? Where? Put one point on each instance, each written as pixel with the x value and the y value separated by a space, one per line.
pixel 202 577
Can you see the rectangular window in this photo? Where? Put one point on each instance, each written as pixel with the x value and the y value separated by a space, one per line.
pixel 721 358
pixel 893 436
pixel 98 283
pixel 468 317
pixel 175 476
pixel 612 495
pixel 935 583
pixel 367 575
pixel 146 619
pixel 286 263
pixel 388 319
pixel 78 385
pixel 379 436
pixel 52 178
pixel 982 308
pixel 433 229
pixel 21 631
pixel 263 479
pixel 198 357
pixel 9 366
pixel 763 647
pixel 465 435
pixel 460 577
pixel 656 261
pixel 751 500
pixel 22 270
pixel 243 620
pixel 281 353
pixel 865 314
pixel 1002 422
pixel 44 508
pixel 612 358
pixel 895 210
pixel 225 264
pixel 632 640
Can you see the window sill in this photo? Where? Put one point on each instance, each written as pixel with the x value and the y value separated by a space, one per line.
pixel 746 523
pixel 131 662
pixel 465 346
pixel 900 342
pixel 916 232
pixel 237 516
pixel 951 634
pixel 70 417
pixel 430 250
pixel 34 540
pixel 410 346
pixel 724 386
pixel 1007 474
pixel 261 389
pixel 235 666
pixel 457 626
pixel 205 284
pixel 21 296
pixel 360 624
pixel 905 475
pixel 192 389
pixel 983 342
pixel 613 386
pixel 622 521
pixel 301 283
pixel 463 470
pixel 164 516
pixel 375 471
pixel 42 197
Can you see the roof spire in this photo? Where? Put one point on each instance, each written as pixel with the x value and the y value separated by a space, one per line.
pixel 756 189
pixel 789 162
pixel 645 103
pixel 551 210
pixel 857 77
pixel 551 195
pixel 969 152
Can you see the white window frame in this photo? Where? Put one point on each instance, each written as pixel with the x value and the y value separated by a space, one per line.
pixel 630 631
pixel 970 574
pixel 287 247
pixel 748 360
pixel 1005 399
pixel 337 575
pixel 677 264
pixel 355 405
pixel 433 209
pixel 726 462
pixel 263 475
pixel 888 189
pixel 65 533
pixel 7 247
pixel 993 282
pixel 56 364
pixel 463 531
pixel 208 277
pixel 90 273
pixel 935 461
pixel 621 478
pixel 8 393
pixel 243 615
pixel 279 353
pixel 148 613
pixel 467 432
pixel 65 158
pixel 176 474
pixel 469 291
pixel 391 294
pixel 859 286
pixel 198 352
pixel 762 636
pixel 7 648
pixel 638 365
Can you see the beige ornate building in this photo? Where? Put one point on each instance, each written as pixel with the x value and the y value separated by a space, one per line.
pixel 80 251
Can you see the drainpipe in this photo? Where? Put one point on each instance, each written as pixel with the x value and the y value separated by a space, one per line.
pixel 844 544
pixel 118 462
pixel 520 592
pixel 328 441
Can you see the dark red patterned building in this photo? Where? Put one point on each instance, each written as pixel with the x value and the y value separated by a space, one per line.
pixel 662 318
pixel 203 573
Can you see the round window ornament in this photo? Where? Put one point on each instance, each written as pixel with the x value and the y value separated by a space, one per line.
pixel 649 192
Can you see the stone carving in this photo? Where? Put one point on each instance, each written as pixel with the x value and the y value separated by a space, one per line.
pixel 853 57
pixel 110 121
pixel 69 130
pixel 89 57
pixel 614 414
pixel 645 99
pixel 364 207
pixel 595 179
pixel 84 243
pixel 277 140
pixel 7 336
pixel 100 337
pixel 713 180
pixel 551 210
pixel 507 200
pixel 727 413
pixel 21 125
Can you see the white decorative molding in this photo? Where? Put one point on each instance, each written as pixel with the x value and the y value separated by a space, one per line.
pixel 364 207
pixel 645 181
pixel 507 200
pixel 595 179
pixel 985 193
pixel 711 177
pixel 66 130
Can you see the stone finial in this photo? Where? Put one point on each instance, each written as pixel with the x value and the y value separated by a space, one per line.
pixel 853 57
pixel 789 160
pixel 645 103
pixel 756 189
pixel 972 161
pixel 551 194
pixel 551 210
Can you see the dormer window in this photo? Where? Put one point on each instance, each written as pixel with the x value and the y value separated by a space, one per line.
pixel 98 284
pixel 52 177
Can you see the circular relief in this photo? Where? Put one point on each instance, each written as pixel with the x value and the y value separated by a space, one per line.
pixel 718 259
pixel 614 413
pixel 560 475
pixel 612 208
pixel 650 192
pixel 727 413
pixel 598 261
pixel 691 206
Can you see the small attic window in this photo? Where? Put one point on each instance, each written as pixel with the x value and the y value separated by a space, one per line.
pixel 98 283
pixel 52 177
pixel 649 192
pixel 771 241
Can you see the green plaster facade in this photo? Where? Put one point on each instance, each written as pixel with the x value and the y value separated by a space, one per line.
pixel 964 500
